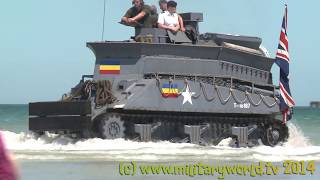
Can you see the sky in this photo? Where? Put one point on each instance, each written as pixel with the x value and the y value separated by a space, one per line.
pixel 43 49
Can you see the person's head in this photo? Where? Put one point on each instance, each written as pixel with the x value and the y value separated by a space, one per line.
pixel 153 9
pixel 172 5
pixel 138 3
pixel 163 5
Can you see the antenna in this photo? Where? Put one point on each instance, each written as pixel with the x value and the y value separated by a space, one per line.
pixel 104 16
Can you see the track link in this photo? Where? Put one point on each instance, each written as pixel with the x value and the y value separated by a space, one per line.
pixel 171 126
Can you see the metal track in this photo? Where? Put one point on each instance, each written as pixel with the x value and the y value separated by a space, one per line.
pixel 172 124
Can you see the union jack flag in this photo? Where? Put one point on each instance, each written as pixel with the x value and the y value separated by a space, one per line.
pixel 283 60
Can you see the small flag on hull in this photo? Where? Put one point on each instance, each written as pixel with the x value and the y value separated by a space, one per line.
pixel 283 60
pixel 170 90
pixel 109 67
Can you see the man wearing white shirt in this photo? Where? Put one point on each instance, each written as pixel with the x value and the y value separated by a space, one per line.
pixel 169 19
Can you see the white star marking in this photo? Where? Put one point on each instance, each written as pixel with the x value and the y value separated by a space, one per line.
pixel 187 96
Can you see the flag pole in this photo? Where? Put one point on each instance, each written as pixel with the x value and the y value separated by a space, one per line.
pixel 283 60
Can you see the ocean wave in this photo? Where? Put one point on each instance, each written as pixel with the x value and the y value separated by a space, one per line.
pixel 27 146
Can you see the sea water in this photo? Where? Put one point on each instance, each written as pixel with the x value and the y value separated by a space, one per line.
pixel 54 156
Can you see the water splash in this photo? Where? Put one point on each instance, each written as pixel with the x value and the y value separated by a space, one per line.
pixel 298 147
pixel 297 138
pixel 57 147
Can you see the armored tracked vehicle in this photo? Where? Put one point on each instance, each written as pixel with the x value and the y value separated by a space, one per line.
pixel 183 87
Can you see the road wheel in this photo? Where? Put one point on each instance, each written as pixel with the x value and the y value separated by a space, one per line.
pixel 274 134
pixel 111 127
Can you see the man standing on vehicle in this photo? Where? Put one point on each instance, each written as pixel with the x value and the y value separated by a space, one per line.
pixel 138 16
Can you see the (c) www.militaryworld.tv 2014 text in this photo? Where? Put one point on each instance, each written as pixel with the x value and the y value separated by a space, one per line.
pixel 220 170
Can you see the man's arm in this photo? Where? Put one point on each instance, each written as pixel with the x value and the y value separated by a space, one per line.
pixel 174 29
pixel 137 17
pixel 126 16
pixel 162 26
pixel 181 24
pixel 124 19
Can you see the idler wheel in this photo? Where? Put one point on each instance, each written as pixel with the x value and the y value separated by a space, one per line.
pixel 111 127
pixel 275 134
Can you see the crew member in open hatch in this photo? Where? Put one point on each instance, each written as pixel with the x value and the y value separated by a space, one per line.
pixel 140 15
pixel 163 6
pixel 170 19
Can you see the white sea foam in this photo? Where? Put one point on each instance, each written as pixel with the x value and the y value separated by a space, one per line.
pixel 55 147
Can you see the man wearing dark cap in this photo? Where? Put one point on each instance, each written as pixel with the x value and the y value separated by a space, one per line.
pixel 164 7
pixel 139 15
